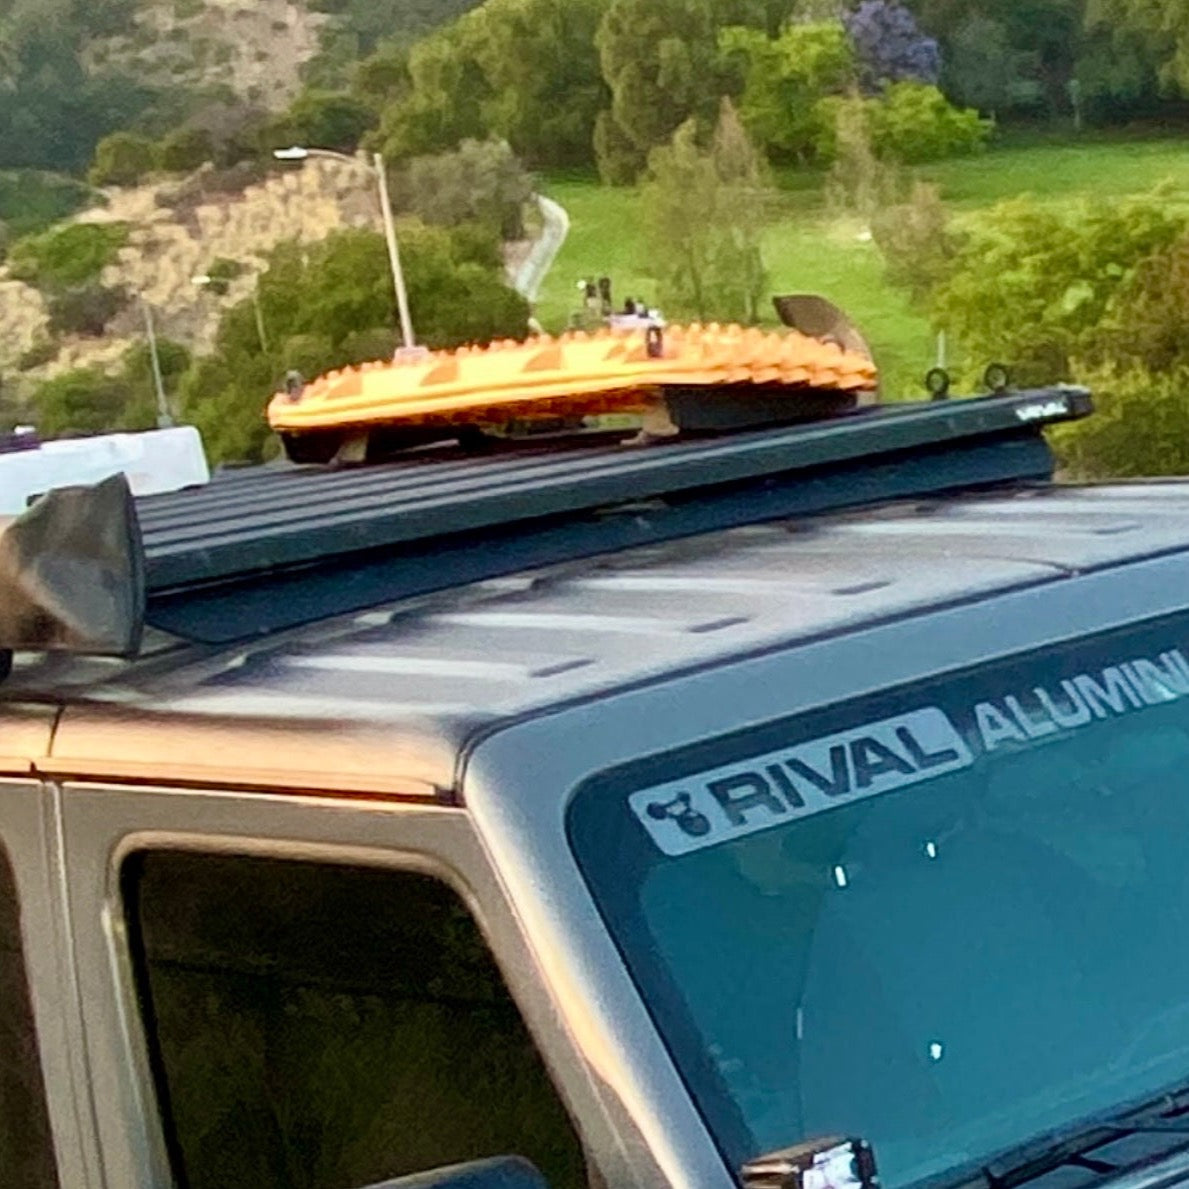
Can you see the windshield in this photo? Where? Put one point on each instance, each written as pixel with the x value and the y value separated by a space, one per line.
pixel 945 919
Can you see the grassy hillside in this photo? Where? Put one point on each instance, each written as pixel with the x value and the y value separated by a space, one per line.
pixel 806 251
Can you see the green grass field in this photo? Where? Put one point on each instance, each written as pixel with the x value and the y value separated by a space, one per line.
pixel 806 251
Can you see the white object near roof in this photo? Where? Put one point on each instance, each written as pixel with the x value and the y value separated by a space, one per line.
pixel 157 461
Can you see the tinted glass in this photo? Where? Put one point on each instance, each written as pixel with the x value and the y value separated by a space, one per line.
pixel 26 1147
pixel 944 919
pixel 319 1027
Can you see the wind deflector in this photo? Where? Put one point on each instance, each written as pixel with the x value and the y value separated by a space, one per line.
pixel 72 573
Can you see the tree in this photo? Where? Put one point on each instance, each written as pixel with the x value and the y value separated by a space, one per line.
pixel 1162 24
pixel 1036 287
pixel 740 272
pixel 659 58
pixel 980 67
pixel 543 74
pixel 784 81
pixel 444 104
pixel 1044 41
pixel 860 182
pixel 704 218
pixel 916 241
pixel 329 120
pixel 480 181
pixel 890 47
pixel 53 109
pixel 1119 77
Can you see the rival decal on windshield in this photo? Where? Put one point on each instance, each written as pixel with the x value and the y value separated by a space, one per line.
pixel 770 790
pixel 875 758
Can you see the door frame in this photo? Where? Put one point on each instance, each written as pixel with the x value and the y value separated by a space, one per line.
pixel 104 824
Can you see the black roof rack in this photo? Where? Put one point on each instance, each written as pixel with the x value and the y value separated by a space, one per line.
pixel 262 550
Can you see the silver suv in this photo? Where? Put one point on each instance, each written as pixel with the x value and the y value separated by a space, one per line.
pixel 640 816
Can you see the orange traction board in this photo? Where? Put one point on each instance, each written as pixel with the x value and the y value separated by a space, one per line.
pixel 574 375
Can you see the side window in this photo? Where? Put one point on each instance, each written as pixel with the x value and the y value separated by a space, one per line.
pixel 323 1027
pixel 26 1147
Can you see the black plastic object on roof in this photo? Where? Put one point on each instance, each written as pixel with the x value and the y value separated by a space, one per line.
pixel 262 550
pixel 72 573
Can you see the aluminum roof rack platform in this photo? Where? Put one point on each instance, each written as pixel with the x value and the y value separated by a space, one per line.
pixel 266 549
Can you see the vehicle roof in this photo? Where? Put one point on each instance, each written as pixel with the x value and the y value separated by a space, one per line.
pixel 386 698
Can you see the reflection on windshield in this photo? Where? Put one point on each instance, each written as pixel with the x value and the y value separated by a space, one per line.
pixel 946 969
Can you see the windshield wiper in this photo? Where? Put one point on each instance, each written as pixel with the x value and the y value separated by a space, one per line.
pixel 1079 1145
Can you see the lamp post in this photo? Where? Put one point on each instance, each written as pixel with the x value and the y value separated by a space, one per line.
pixel 299 153
pixel 164 419
pixel 205 280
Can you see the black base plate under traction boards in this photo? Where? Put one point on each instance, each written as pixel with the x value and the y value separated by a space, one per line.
pixel 266 549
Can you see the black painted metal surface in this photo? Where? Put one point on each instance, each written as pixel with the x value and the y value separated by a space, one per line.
pixel 269 518
pixel 262 550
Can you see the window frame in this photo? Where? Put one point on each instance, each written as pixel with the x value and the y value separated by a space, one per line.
pixel 105 824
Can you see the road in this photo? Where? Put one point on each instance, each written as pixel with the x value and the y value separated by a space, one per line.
pixel 537 264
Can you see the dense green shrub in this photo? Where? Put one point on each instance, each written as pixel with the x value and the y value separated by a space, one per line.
pixel 86 310
pixel 66 256
pixel 41 352
pixel 185 150
pixel 1140 426
pixel 122 159
pixel 909 123
pixel 221 273
pixel 913 122
pixel 366 346
pixel 90 400
pixel 85 401
pixel 310 354
pixel 1147 324
pixel 31 201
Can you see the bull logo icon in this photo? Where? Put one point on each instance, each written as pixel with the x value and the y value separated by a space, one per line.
pixel 681 811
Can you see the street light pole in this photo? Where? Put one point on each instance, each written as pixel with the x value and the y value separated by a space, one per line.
pixel 398 275
pixel 164 420
pixel 298 153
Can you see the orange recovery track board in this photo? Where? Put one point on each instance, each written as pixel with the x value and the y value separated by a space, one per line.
pixel 577 374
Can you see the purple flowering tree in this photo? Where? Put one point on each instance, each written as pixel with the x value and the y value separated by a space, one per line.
pixel 890 46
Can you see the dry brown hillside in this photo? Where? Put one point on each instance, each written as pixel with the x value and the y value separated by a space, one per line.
pixel 178 228
pixel 253 47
